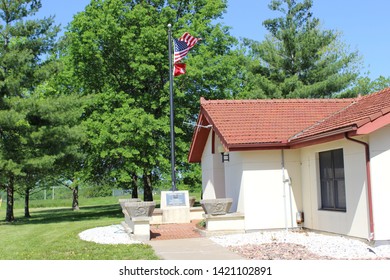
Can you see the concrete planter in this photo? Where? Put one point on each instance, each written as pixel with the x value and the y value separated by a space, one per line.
pixel 137 217
pixel 217 206
pixel 125 200
pixel 140 209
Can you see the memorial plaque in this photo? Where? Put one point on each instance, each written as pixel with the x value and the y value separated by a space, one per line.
pixel 176 199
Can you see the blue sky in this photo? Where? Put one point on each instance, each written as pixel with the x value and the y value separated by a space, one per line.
pixel 365 25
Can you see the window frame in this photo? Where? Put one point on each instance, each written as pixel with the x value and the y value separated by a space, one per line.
pixel 332 191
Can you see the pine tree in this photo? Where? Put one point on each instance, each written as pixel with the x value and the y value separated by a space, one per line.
pixel 298 58
pixel 23 46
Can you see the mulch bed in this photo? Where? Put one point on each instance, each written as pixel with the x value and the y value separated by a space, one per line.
pixel 276 251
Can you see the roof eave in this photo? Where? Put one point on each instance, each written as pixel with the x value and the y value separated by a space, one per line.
pixel 374 125
pixel 257 146
pixel 322 137
pixel 199 139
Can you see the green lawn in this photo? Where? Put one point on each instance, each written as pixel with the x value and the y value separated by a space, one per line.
pixel 52 233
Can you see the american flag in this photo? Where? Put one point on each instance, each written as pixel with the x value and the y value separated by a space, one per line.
pixel 183 45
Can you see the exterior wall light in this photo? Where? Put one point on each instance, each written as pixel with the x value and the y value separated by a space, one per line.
pixel 225 155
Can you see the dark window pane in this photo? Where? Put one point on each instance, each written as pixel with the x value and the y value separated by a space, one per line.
pixel 341 199
pixel 326 165
pixel 327 194
pixel 338 161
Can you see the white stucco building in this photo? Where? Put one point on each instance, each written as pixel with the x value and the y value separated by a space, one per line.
pixel 326 158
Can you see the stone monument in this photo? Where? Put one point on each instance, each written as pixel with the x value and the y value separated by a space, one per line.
pixel 175 207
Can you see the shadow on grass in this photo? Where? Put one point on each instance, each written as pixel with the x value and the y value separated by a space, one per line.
pixel 58 215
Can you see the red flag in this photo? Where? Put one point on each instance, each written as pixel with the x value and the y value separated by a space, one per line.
pixel 179 69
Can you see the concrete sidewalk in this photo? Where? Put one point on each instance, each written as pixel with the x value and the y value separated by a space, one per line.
pixel 192 249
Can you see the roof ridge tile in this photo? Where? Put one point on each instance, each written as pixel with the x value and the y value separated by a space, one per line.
pixel 271 101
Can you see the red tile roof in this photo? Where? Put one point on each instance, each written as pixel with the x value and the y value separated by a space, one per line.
pixel 246 124
pixel 360 112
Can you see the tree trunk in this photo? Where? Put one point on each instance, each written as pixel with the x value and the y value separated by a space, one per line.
pixel 10 200
pixel 26 203
pixel 134 187
pixel 148 195
pixel 75 203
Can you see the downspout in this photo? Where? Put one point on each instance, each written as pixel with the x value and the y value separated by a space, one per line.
pixel 369 191
pixel 284 192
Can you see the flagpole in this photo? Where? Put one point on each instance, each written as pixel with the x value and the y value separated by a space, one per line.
pixel 173 171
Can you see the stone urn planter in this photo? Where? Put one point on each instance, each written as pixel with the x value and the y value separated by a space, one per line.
pixel 122 201
pixel 217 206
pixel 139 209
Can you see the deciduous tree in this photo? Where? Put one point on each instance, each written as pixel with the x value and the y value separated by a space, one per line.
pixel 365 85
pixel 118 51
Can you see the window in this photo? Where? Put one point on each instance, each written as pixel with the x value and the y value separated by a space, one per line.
pixel 332 180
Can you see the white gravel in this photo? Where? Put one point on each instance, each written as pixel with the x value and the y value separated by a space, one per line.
pixel 114 234
pixel 321 244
